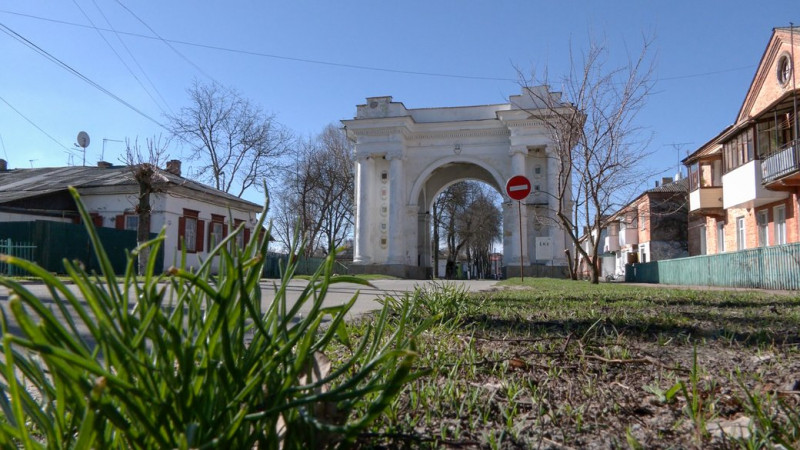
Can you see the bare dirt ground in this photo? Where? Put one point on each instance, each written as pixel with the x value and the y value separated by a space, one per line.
pixel 565 365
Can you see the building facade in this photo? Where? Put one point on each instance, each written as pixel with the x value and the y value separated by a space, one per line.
pixel 406 157
pixel 195 217
pixel 745 182
pixel 652 227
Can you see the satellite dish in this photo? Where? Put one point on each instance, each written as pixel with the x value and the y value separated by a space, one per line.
pixel 83 139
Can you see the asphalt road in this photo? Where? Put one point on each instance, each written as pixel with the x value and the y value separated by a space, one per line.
pixel 338 294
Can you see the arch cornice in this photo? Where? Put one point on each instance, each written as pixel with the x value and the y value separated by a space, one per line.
pixel 454 134
pixel 382 131
pixel 423 177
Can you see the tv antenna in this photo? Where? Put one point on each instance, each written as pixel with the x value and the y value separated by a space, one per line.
pixel 83 142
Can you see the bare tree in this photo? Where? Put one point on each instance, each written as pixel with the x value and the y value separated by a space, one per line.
pixel 319 196
pixel 469 221
pixel 485 226
pixel 236 145
pixel 596 140
pixel 144 167
pixel 451 204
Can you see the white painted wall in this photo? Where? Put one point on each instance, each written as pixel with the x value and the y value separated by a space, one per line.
pixel 167 208
pixel 742 187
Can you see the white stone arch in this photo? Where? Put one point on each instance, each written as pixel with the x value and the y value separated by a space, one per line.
pixel 406 156
pixel 423 178
pixel 433 181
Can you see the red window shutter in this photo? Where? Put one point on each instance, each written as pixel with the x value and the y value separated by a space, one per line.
pixel 97 219
pixel 119 222
pixel 246 236
pixel 200 228
pixel 181 231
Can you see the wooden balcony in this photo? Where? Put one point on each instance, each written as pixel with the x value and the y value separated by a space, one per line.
pixel 781 170
pixel 706 200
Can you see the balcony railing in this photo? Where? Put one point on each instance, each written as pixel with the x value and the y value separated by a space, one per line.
pixel 781 163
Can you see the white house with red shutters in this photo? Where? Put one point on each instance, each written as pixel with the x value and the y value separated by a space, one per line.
pixel 192 213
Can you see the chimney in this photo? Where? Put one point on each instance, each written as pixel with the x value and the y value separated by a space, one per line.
pixel 666 180
pixel 174 167
pixel 104 164
pixel 3 165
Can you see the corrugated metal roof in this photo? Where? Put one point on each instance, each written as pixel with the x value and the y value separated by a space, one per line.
pixel 19 184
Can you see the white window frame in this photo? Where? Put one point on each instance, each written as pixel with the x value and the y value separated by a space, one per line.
pixel 762 222
pixel 741 234
pixel 216 233
pixel 131 222
pixel 780 224
pixel 190 234
pixel 720 237
pixel 703 240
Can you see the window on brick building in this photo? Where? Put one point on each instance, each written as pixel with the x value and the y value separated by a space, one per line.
pixel 720 237
pixel 741 243
pixel 780 225
pixel 762 222
pixel 703 248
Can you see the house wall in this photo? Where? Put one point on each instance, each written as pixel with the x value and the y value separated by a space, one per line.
pixel 173 210
pixel 695 229
pixel 751 226
pixel 770 90
pixel 15 217
pixel 645 220
pixel 166 210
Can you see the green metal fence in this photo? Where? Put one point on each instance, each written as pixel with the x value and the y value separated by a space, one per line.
pixel 56 241
pixel 305 266
pixel 776 267
pixel 23 250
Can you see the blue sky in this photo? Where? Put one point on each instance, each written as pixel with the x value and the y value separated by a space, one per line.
pixel 311 62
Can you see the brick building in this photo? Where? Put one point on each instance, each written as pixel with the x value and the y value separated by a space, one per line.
pixel 744 184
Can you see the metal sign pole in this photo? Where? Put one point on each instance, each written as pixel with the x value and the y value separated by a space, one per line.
pixel 521 256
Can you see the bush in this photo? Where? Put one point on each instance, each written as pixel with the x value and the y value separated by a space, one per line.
pixel 187 359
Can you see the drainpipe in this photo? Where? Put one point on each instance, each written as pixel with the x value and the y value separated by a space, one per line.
pixel 794 85
pixel 794 106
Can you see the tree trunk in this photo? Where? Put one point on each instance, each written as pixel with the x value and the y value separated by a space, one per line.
pixel 143 229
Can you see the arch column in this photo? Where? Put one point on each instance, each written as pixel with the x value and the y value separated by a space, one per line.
pixel 519 230
pixel 397 209
pixel 364 168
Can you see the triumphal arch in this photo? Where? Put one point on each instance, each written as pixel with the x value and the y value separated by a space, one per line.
pixel 406 157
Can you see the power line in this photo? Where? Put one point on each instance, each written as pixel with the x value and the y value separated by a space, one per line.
pixel 280 57
pixel 166 42
pixel 73 71
pixel 326 63
pixel 119 57
pixel 35 126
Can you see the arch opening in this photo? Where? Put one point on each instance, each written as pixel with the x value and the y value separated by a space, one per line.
pixel 460 230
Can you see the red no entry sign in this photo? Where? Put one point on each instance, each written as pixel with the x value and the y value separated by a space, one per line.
pixel 518 187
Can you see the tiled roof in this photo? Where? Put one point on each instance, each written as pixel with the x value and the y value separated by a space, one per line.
pixel 18 184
